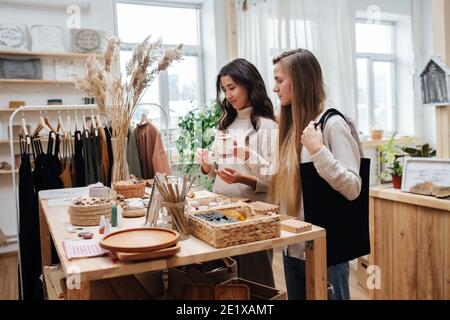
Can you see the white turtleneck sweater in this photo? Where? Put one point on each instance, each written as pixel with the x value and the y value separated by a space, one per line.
pixel 262 140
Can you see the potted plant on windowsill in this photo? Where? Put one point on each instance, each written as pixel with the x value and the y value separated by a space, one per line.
pixel 390 156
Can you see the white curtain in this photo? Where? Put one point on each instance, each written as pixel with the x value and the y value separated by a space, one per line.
pixel 268 27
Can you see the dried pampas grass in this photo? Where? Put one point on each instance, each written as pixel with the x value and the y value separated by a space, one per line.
pixel 118 95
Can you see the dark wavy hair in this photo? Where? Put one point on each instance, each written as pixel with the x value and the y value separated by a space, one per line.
pixel 245 74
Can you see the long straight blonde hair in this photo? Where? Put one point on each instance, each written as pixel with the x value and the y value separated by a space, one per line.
pixel 308 97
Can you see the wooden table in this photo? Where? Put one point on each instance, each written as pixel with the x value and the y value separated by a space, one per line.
pixel 193 250
pixel 410 241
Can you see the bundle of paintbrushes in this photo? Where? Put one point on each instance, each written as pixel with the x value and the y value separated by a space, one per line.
pixel 173 191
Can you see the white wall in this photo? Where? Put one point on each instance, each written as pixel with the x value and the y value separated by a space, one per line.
pixel 214 37
pixel 425 116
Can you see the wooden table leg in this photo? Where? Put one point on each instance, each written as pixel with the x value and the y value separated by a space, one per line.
pixel 81 291
pixel 45 237
pixel 316 269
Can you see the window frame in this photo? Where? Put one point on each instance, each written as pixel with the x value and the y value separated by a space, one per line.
pixel 188 50
pixel 379 57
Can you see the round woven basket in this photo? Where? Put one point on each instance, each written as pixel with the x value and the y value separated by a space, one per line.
pixel 87 216
pixel 135 213
pixel 136 190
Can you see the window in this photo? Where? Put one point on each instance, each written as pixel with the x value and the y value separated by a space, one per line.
pixel 375 63
pixel 177 90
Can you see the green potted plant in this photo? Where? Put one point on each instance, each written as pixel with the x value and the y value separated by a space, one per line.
pixel 420 151
pixel 197 130
pixel 390 157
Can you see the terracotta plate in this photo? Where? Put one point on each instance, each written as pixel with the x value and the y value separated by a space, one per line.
pixel 139 240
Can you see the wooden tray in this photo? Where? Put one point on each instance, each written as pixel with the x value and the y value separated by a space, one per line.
pixel 139 240
pixel 122 256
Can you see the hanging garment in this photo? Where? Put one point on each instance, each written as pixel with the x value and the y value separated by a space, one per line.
pixel 80 176
pixel 47 167
pixel 104 157
pixel 91 162
pixel 346 222
pixel 47 170
pixel 66 158
pixel 134 164
pixel 29 238
pixel 110 153
pixel 152 156
pixel 95 145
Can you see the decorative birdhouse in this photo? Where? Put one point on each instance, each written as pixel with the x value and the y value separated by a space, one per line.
pixel 435 80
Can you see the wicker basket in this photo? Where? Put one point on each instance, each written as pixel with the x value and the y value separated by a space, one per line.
pixel 134 213
pixel 222 236
pixel 87 216
pixel 136 190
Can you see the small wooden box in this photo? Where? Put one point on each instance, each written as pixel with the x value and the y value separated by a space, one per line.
pixel 16 104
pixel 295 226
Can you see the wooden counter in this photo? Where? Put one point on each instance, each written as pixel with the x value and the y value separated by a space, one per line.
pixel 410 241
pixel 193 250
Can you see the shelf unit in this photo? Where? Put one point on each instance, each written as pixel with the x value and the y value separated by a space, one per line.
pixel 44 54
pixel 35 81
pixel 3 172
pixel 49 54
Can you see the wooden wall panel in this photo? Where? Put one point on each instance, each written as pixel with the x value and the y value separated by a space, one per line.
pixel 447 257
pixel 430 273
pixel 405 251
pixel 383 249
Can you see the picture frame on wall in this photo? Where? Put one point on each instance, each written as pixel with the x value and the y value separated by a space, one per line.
pixel 88 40
pixel 419 171
pixel 14 37
pixel 64 69
pixel 20 68
pixel 47 38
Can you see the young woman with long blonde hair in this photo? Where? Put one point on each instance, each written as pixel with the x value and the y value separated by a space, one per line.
pixel 317 175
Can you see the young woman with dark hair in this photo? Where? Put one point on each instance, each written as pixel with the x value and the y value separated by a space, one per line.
pixel 248 117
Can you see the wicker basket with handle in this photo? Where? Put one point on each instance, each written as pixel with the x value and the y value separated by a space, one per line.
pixel 130 189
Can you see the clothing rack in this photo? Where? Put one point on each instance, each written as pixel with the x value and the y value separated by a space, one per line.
pixel 68 108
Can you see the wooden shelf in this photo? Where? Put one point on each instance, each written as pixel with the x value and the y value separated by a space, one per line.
pixel 376 143
pixel 3 172
pixel 386 192
pixel 6 141
pixel 49 54
pixel 37 81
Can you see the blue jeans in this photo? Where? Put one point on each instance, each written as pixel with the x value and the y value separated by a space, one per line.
pixel 294 273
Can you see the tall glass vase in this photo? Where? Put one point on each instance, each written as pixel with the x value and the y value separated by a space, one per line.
pixel 120 170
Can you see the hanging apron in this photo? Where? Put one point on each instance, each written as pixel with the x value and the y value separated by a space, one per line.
pixel 346 222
